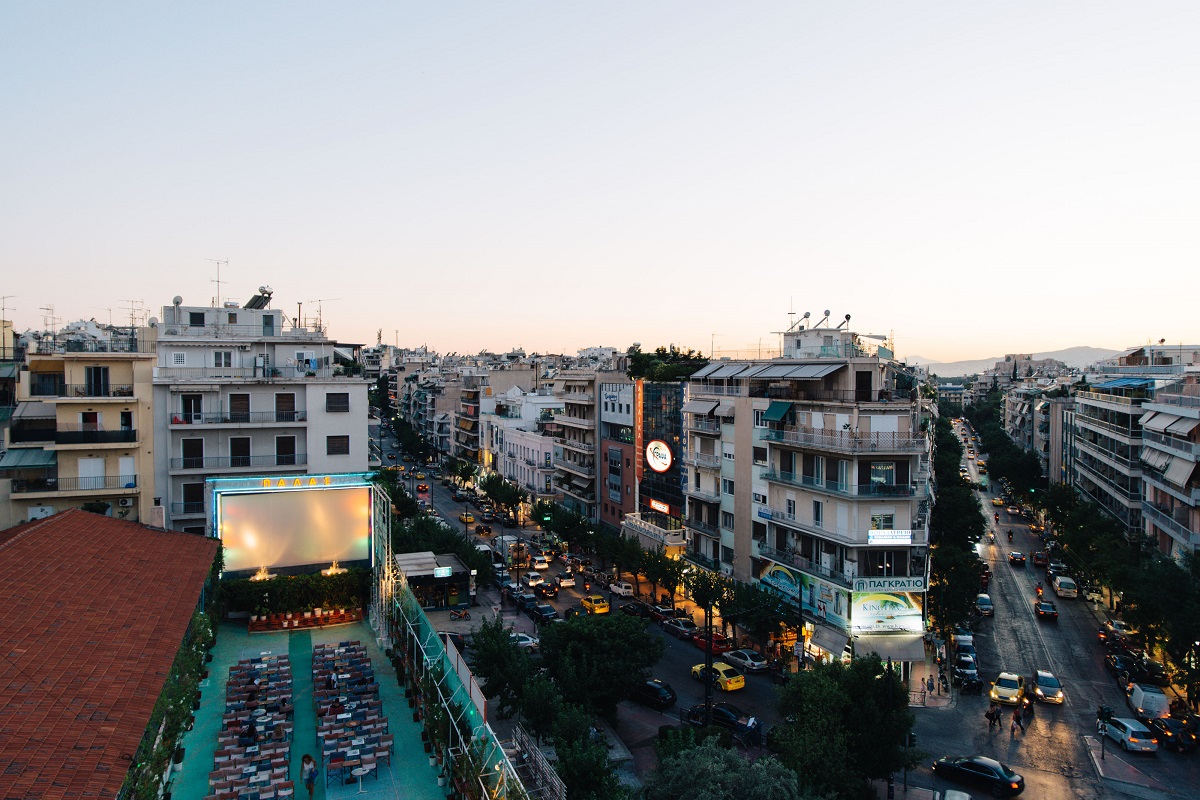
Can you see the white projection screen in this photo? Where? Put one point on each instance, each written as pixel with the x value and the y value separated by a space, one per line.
pixel 295 528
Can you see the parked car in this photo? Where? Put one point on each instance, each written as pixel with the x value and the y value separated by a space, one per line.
pixel 636 609
pixel 1040 558
pixel 524 641
pixel 963 635
pixel 1147 701
pixel 747 660
pixel 981 771
pixel 720 643
pixel 728 716
pixel 543 613
pixel 1173 734
pixel 1125 668
pixel 966 667
pixel 983 604
pixel 526 601
pixel 725 677
pixel 1132 735
pixel 595 604
pixel 664 613
pixel 621 588
pixel 655 694
pixel 680 628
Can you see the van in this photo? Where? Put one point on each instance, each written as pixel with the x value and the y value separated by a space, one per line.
pixel 1065 587
pixel 1148 701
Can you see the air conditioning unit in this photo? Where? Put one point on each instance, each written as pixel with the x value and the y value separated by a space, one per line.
pixel 125 502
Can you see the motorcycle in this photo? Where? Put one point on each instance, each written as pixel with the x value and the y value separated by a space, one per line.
pixel 464 614
pixel 1039 590
pixel 992 538
pixel 1010 536
pixel 968 684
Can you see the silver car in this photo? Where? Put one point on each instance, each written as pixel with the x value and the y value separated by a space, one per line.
pixel 746 660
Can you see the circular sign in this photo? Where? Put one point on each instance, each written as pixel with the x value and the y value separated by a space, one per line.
pixel 658 456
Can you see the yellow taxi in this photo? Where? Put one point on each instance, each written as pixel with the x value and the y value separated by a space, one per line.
pixel 595 604
pixel 1009 688
pixel 420 476
pixel 725 677
pixel 400 468
pixel 466 517
pixel 997 502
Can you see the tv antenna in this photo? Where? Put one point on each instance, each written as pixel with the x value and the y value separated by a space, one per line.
pixel 319 301
pixel 137 312
pixel 49 320
pixel 218 262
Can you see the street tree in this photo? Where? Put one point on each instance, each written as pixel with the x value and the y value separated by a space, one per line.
pixel 583 762
pixel 503 668
pixel 711 772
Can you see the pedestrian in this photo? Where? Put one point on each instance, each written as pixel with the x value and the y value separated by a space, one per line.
pixel 929 684
pixel 308 773
pixel 1017 722
pixel 993 715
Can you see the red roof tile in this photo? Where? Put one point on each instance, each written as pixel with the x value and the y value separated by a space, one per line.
pixel 94 610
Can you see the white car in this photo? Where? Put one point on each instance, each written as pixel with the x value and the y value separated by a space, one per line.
pixel 540 563
pixel 524 641
pixel 963 635
pixel 621 588
pixel 746 660
pixel 532 579
pixel 1129 733
pixel 565 580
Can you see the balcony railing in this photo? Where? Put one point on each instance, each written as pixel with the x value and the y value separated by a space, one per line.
pixel 586 470
pixel 235 462
pixel 669 538
pixel 90 390
pixel 27 434
pixel 717 390
pixel 700 494
pixel 847 441
pixel 574 422
pixel 1183 446
pixel 187 509
pixel 99 483
pixel 121 344
pixel 1115 399
pixel 705 460
pixel 807 482
pixel 794 559
pixel 704 424
pixel 578 397
pixel 703 527
pixel 575 444
pixel 702 560
pixel 94 436
pixel 239 418
pixel 1175 399
pixel 1161 516
pixel 289 375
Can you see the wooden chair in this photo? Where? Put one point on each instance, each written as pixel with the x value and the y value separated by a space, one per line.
pixel 382 755
pixel 285 790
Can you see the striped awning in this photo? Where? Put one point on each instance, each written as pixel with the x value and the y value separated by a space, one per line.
pixel 699 406
pixel 777 411
pixel 28 457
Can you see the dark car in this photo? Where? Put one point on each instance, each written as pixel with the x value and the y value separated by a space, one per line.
pixel 546 590
pixel 981 771
pixel 655 694
pixel 1154 673
pixel 726 715
pixel 575 611
pixel 636 609
pixel 1173 734
pixel 526 601
pixel 1124 668
pixel 1040 558
pixel 543 613
pixel 1046 611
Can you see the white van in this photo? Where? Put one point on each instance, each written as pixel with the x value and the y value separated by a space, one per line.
pixel 621 588
pixel 1065 587
pixel 1148 701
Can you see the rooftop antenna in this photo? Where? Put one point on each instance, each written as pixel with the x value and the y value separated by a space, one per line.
pixel 218 262
pixel 105 308
pixel 49 320
pixel 137 313
pixel 320 326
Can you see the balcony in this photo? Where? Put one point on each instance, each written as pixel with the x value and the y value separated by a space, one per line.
pixel 792 559
pixel 1161 516
pixel 575 444
pixel 240 418
pixel 240 462
pixel 92 434
pixel 807 482
pixel 1181 446
pixel 700 526
pixel 583 398
pixel 584 470
pixel 206 374
pixel 82 391
pixel 700 494
pixel 634 523
pixel 708 426
pixel 699 560
pixel 574 422
pixel 30 434
pixel 847 441
pixel 586 495
pixel 705 460
pixel 187 509
pixel 100 483
pixel 716 390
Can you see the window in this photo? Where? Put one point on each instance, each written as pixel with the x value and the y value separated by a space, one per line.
pixel 232 318
pixel 760 456
pixel 760 498
pixel 727 555
pixel 222 358
pixel 196 319
pixel 178 359
pixel 729 455
pixel 819 470
pixel 758 531
pixel 726 486
pixel 883 473
pixel 883 522
pixel 790 508
pixel 337 401
pixel 818 514
pixel 285 451
pixel 337 445
pixel 239 451
pixel 727 520
pixel 759 422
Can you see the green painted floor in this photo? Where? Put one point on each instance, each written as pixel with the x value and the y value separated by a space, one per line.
pixel 409 776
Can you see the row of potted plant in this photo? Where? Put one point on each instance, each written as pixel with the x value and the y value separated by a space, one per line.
pixel 295 594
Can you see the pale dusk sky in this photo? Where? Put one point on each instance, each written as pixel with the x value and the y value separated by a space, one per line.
pixel 978 178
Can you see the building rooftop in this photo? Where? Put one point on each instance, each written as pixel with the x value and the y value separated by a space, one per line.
pixel 96 610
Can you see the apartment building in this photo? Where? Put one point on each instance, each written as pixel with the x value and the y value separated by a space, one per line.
pixel 82 433
pixel 238 391
pixel 575 449
pixel 660 467
pixel 618 481
pixel 810 474
pixel 1169 455
pixel 478 387
pixel 1061 440
pixel 520 432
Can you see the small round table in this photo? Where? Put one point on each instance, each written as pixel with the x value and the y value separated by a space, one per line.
pixel 358 772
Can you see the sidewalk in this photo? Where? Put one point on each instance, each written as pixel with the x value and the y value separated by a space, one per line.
pixel 1122 776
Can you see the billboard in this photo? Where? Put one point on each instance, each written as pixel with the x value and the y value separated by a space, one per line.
pixel 887 612
pixel 295 521
pixel 818 597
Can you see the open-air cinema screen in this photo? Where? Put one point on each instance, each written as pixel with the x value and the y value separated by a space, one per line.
pixel 295 528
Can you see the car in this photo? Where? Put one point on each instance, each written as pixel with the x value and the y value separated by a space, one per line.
pixel 680 628
pixel 466 517
pixel 483 530
pixel 422 487
pixel 965 666
pixel 981 771
pixel 524 641
pixel 1016 559
pixel 409 457
pixel 1008 688
pixel 1156 674
pixel 526 601
pixel 997 502
pixel 1014 511
pixel 720 643
pixel 420 476
pixel 575 611
pixel 1132 735
pixel 1173 734
pixel 621 588
pixel 963 635
pixel 655 694
pixel 595 604
pixel 1045 610
pixel 636 609
pixel 747 660
pixel 664 613
pixel 1047 688
pixel 968 649
pixel 725 715
pixel 1040 558
pixel 983 605
pixel 512 590
pixel 546 589
pixel 565 580
pixel 391 456
pixel 725 677
pixel 532 579
pixel 540 563
pixel 970 455
pixel 543 613
pixel 1126 668
pixel 401 468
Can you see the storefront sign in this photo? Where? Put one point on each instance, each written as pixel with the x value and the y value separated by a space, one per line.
pixel 914 584
pixel 889 537
pixel 877 612
pixel 818 597
pixel 443 572
pixel 658 456
pixel 658 505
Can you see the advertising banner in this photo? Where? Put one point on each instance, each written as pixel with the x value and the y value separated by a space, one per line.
pixel 818 597
pixel 887 612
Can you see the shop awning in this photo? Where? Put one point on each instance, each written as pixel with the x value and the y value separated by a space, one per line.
pixel 8 370
pixel 699 406
pixel 32 457
pixel 1160 422
pixel 1183 426
pixel 34 411
pixel 896 646
pixel 1180 471
pixel 829 639
pixel 777 411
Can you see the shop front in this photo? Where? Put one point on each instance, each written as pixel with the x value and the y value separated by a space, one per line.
pixel 437 581
pixel 887 619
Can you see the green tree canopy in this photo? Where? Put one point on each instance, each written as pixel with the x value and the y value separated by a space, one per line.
pixel 711 772
pixel 664 365
pixel 503 668
pixel 598 661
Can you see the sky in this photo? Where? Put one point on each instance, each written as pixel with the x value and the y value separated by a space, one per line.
pixel 976 178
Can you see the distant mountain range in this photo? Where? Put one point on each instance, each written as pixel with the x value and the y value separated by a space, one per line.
pixel 1072 357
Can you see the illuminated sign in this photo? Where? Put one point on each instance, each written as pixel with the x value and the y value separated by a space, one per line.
pixel 889 537
pixel 660 506
pixel 443 572
pixel 915 584
pixel 658 456
pixel 896 612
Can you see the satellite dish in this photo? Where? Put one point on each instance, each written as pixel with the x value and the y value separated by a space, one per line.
pixel 177 300
pixel 153 322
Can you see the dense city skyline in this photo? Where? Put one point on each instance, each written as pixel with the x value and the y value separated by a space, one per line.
pixel 978 180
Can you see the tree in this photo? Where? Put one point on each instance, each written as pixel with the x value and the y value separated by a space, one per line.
pixel 711 772
pixel 503 667
pixel 583 761
pixel 506 495
pixel 850 725
pixel 465 471
pixel 541 703
pixel 597 661
pixel 664 365
pixel 708 589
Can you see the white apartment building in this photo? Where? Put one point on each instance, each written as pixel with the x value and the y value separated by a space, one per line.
pixel 237 392
pixel 1169 456
pixel 810 473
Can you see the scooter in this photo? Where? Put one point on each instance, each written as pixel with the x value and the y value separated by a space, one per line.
pixel 464 614
pixel 992 538
pixel 1010 536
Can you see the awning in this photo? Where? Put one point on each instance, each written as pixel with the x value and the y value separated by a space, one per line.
pixel 813 371
pixel 31 457
pixel 1183 426
pixel 1160 422
pixel 699 406
pixel 725 410
pixel 707 369
pixel 774 372
pixel 8 370
pixel 777 411
pixel 830 640
pixel 1149 415
pixel 1125 383
pixel 1155 458
pixel 34 411
pixel 896 646
pixel 725 371
pixel 1180 471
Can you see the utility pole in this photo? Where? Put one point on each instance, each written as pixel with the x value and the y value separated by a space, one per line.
pixel 218 262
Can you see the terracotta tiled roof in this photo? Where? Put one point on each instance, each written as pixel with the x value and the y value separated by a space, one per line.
pixel 92 612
